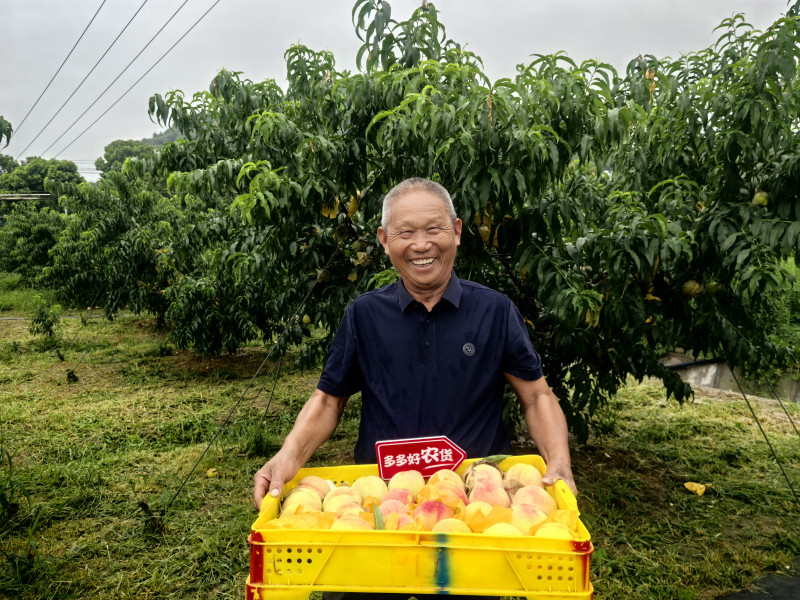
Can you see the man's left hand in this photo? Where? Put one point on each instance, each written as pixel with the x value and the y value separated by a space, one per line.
pixel 560 470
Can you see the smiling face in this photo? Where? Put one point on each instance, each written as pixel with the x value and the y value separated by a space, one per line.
pixel 421 240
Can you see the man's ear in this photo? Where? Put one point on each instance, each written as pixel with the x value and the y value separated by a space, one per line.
pixel 457 231
pixel 383 238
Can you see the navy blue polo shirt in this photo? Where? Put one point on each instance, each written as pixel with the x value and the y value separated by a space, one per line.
pixel 431 373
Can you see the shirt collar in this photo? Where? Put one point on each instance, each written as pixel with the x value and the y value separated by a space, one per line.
pixel 452 293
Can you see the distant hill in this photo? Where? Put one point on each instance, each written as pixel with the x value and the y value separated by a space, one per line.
pixel 159 139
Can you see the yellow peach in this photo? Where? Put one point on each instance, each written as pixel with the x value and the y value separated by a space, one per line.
pixel 408 480
pixel 451 525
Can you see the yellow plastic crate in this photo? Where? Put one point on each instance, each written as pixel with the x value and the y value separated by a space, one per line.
pixel 288 564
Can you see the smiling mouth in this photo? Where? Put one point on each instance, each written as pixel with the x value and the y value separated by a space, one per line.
pixel 422 262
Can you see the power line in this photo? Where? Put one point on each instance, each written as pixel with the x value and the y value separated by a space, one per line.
pixel 99 60
pixel 59 68
pixel 140 78
pixel 116 78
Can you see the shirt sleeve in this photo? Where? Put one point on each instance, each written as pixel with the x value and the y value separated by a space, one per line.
pixel 519 358
pixel 342 375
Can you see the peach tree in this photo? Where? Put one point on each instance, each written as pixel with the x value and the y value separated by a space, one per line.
pixel 626 214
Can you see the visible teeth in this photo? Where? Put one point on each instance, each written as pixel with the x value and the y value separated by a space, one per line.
pixel 422 262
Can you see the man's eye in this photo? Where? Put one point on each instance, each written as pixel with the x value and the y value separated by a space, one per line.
pixel 434 229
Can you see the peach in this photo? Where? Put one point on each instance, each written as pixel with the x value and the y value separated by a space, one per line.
pixel 444 491
pixel 451 525
pixel 370 486
pixel 350 510
pixel 524 474
pixel 399 522
pixel 408 480
pixel 318 483
pixel 447 475
pixel 430 512
pixel 337 503
pixel 480 471
pixel 551 530
pixel 491 492
pixel 401 494
pixel 503 529
pixel 536 496
pixel 393 506
pixel 342 491
pixel 527 517
pixel 302 495
pixel 348 523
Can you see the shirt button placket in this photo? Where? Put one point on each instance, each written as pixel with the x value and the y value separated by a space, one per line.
pixel 428 328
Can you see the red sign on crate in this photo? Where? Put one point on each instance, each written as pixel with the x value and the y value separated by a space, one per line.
pixel 426 455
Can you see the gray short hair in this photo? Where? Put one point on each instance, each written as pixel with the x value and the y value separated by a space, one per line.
pixel 415 184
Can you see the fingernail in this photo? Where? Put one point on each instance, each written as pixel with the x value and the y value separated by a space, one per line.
pixel 274 493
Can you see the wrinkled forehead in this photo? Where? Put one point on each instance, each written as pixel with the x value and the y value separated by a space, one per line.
pixel 418 207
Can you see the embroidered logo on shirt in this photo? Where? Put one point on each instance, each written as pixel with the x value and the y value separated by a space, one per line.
pixel 468 349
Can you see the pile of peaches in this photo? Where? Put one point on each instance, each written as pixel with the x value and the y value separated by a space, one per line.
pixel 487 500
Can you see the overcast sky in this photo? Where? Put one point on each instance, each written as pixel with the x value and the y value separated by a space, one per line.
pixel 252 35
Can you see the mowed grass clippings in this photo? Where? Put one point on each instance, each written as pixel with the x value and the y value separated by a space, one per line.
pixel 94 462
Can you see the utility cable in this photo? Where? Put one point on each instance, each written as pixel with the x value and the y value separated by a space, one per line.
pixel 766 439
pixel 77 87
pixel 138 80
pixel 59 68
pixel 289 322
pixel 147 45
pixel 774 393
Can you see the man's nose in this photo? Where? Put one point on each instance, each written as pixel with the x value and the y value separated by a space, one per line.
pixel 420 239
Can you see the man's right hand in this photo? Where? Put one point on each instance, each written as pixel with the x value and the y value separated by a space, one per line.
pixel 270 478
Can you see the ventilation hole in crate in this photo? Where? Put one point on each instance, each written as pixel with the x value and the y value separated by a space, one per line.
pixel 570 569
pixel 288 560
pixel 308 561
pixel 279 560
pixel 278 572
pixel 539 577
pixel 549 578
pixel 560 568
pixel 519 556
pixel 269 550
pixel 549 567
pixel 540 566
pixel 309 550
pixel 299 550
pixel 279 550
pixel 319 550
pixel 529 567
pixel 530 556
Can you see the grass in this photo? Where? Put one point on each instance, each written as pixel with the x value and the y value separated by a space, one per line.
pixel 85 468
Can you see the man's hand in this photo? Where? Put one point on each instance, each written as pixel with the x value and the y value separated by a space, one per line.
pixel 270 478
pixel 560 470
pixel 547 427
pixel 314 424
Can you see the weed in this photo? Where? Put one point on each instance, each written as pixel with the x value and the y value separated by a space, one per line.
pixel 46 319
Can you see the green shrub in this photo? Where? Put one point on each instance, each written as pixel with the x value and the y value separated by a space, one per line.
pixel 46 319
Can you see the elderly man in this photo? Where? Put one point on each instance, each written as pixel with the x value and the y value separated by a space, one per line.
pixel 430 355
